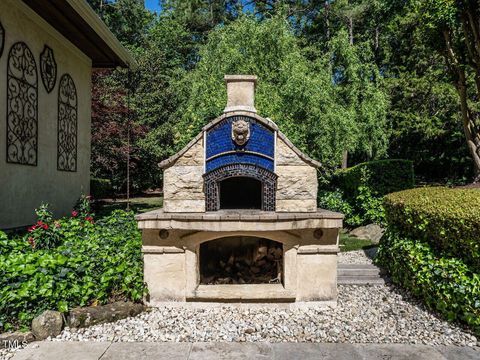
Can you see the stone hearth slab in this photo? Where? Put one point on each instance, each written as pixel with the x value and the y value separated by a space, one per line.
pixel 252 292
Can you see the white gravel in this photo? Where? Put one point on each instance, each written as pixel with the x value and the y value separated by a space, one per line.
pixel 365 314
pixel 358 257
pixel 6 354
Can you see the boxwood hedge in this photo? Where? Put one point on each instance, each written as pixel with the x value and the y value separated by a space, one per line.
pixel 431 247
pixel 447 219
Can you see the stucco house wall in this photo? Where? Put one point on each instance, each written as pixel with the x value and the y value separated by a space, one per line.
pixel 24 187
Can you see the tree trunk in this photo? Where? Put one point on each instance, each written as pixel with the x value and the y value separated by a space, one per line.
pixel 345 159
pixel 350 29
pixel 472 136
pixel 327 20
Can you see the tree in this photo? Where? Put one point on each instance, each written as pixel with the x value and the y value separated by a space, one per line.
pixel 111 145
pixel 455 25
pixel 127 19
pixel 358 87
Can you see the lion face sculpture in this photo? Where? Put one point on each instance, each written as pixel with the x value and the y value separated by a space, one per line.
pixel 240 132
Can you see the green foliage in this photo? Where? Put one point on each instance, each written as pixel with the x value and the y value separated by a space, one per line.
pixel 127 19
pixel 100 188
pixel 445 284
pixel 368 206
pixel 15 244
pixel 358 191
pixel 335 201
pixel 360 210
pixel 379 177
pixel 447 219
pixel 358 88
pixel 432 248
pixel 94 263
pixel 424 113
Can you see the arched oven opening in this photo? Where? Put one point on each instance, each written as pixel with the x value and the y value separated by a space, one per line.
pixel 241 260
pixel 240 186
pixel 240 193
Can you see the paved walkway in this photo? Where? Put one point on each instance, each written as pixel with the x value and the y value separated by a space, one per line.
pixel 249 351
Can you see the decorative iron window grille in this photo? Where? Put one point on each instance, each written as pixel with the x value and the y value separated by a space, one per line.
pixel 2 39
pixel 67 125
pixel 48 69
pixel 22 106
pixel 214 177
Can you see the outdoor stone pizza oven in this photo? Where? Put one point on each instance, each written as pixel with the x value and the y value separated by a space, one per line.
pixel 240 219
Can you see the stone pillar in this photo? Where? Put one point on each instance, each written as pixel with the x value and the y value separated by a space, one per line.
pixel 240 93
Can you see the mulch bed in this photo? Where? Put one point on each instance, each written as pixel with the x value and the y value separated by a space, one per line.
pixel 470 186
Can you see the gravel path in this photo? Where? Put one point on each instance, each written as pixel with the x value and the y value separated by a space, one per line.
pixel 365 314
pixel 358 257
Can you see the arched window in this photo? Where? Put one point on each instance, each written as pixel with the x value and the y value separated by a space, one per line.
pixel 22 106
pixel 67 125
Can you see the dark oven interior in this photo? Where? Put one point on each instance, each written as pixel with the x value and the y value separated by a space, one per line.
pixel 241 260
pixel 240 193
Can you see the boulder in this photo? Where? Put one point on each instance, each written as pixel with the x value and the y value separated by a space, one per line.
pixel 15 339
pixel 49 323
pixel 88 316
pixel 372 232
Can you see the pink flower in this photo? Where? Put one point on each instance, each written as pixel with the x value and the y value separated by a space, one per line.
pixel 45 226
pixel 57 224
pixel 74 213
pixel 89 218
pixel 31 228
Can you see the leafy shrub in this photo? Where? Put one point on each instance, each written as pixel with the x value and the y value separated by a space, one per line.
pixel 432 248
pixel 363 209
pixel 360 189
pixel 381 177
pixel 334 201
pixel 101 188
pixel 447 219
pixel 370 207
pixel 445 284
pixel 95 262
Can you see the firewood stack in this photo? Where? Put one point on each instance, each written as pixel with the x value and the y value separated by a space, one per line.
pixel 262 266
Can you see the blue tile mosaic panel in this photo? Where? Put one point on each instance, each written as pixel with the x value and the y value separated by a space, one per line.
pixel 219 144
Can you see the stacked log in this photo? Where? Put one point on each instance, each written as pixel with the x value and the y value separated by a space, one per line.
pixel 263 265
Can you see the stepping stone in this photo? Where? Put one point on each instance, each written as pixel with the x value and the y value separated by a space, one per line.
pixel 359 274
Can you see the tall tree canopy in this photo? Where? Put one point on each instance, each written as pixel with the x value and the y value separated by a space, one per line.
pixel 367 78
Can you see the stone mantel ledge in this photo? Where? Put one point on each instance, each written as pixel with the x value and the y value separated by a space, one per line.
pixel 239 220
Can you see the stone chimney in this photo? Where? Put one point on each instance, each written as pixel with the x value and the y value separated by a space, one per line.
pixel 240 93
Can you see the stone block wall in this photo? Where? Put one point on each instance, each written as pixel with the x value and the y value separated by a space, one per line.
pixel 297 182
pixel 183 182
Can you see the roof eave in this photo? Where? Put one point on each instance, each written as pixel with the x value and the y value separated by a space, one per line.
pixel 88 14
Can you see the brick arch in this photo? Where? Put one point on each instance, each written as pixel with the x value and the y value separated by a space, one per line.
pixel 214 177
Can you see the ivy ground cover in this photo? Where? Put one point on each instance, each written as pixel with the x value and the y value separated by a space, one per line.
pixel 74 261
